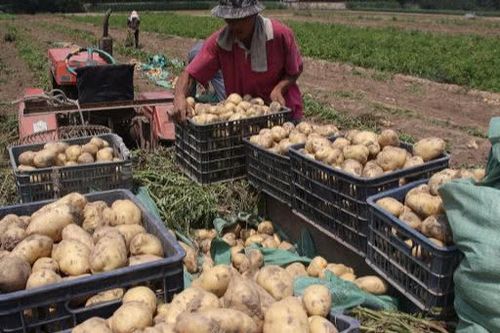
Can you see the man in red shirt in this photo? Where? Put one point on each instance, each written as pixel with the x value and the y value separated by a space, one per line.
pixel 257 56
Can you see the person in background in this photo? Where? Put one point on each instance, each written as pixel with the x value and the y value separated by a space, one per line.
pixel 216 86
pixel 256 55
pixel 133 23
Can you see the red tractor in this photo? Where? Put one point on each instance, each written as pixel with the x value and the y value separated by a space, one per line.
pixel 91 89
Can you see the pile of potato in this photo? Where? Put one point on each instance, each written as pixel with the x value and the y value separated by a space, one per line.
pixel 369 155
pixel 423 210
pixel 62 154
pixel 234 107
pixel 279 138
pixel 72 238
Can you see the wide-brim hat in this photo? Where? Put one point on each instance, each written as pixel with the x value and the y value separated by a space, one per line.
pixel 237 9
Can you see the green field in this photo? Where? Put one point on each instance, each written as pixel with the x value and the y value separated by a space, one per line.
pixel 467 60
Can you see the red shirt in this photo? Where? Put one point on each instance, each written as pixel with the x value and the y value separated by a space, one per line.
pixel 283 57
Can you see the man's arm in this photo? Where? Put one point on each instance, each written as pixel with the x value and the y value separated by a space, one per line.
pixel 280 89
pixel 180 111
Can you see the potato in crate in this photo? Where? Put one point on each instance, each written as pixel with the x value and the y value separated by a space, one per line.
pixel 62 254
pixel 85 164
pixel 331 179
pixel 209 147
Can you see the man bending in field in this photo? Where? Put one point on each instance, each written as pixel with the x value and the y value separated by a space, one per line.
pixel 257 56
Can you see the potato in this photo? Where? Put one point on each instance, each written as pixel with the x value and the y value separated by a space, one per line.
pixel 98 142
pixel 356 152
pixel 201 234
pixel 234 98
pixel 145 243
pixel 44 158
pixel 33 247
pixel 314 144
pixel 257 100
pixel 424 204
pixel 316 266
pixel 90 148
pixel 365 138
pixel 242 295
pixel 191 299
pixel 143 295
pixel 372 284
pixel 388 137
pixel 236 249
pixel 336 269
pixel 479 174
pixel 437 227
pixel 26 158
pixel 296 269
pixel 93 216
pixel 190 101
pixel 410 218
pixel 46 263
pixel 413 162
pixel 254 239
pixel 372 170
pixel 284 146
pixel 129 231
pixel 349 135
pixel 104 155
pixel 278 133
pixel 288 126
pixel 286 316
pixel 11 237
pixel 52 221
pixel 464 174
pixel 440 178
pixel 42 277
pixel 216 320
pixel 276 281
pixel 214 280
pixel 391 158
pixel 340 143
pixel 286 246
pixel 105 296
pixel 240 262
pixel 348 277
pixel 160 328
pixel 92 325
pixel 429 148
pixel 329 156
pixel 297 138
pixel 75 232
pixel 25 168
pixel 15 277
pixel 270 243
pixel 327 130
pixel 109 253
pixel 130 317
pixel 275 107
pixel 391 205
pixel 10 220
pixel 189 259
pixel 73 152
pixel 255 258
pixel 304 128
pixel 85 158
pixel 318 324
pixel 126 212
pixel 352 167
pixel 317 300
pixel 265 227
pixel 141 259
pixel 72 257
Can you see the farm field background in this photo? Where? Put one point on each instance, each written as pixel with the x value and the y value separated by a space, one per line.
pixel 419 73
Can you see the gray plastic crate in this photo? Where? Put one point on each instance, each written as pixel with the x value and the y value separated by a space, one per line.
pixel 58 306
pixel 55 182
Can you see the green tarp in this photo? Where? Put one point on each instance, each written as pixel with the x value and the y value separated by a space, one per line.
pixel 473 211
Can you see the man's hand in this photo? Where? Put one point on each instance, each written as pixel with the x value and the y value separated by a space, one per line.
pixel 180 111
pixel 277 95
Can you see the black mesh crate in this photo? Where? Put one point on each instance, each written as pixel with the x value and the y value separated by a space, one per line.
pixel 55 182
pixel 346 194
pixel 344 323
pixel 268 172
pixel 427 279
pixel 59 306
pixel 216 152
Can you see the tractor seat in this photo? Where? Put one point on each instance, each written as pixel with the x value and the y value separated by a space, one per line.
pixel 105 83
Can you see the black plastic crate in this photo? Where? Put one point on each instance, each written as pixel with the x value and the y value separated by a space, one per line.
pixel 343 323
pixel 347 193
pixel 268 172
pixel 427 281
pixel 58 306
pixel 55 182
pixel 216 152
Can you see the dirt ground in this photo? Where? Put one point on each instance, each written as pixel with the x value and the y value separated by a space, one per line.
pixel 415 106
